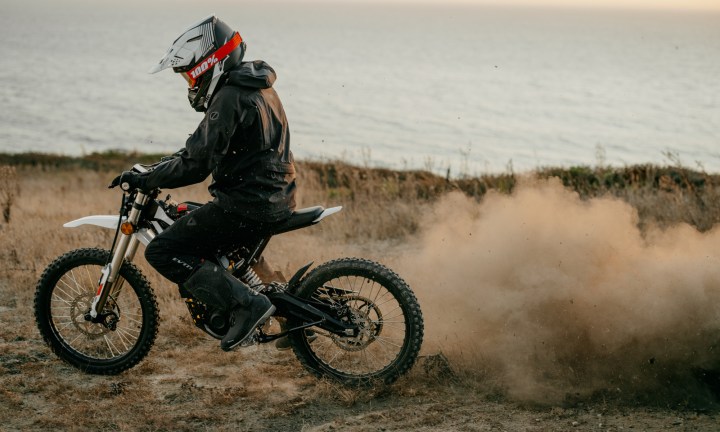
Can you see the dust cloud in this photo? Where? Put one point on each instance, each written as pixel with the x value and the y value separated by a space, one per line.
pixel 544 296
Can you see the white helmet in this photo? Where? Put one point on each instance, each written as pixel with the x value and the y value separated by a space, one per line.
pixel 201 54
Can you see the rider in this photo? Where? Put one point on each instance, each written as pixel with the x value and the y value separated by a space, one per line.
pixel 244 141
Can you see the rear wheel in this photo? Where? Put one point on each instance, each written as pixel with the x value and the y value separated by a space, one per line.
pixel 63 297
pixel 388 318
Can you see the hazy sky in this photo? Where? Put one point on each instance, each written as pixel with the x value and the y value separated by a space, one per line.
pixel 625 4
pixel 643 4
pixel 694 5
pixel 713 5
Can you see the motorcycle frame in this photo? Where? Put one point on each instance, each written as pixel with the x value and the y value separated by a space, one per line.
pixel 126 246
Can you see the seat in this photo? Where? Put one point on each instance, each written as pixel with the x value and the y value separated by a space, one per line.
pixel 299 219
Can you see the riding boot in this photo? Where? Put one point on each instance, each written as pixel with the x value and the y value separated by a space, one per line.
pixel 248 309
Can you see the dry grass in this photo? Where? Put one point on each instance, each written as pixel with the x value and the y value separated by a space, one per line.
pixel 9 190
pixel 187 383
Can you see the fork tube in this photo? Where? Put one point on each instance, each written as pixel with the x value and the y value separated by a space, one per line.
pixel 126 246
pixel 122 247
pixel 132 248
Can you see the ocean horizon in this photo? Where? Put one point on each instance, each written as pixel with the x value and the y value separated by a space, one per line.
pixel 473 89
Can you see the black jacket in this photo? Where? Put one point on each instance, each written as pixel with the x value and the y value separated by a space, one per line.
pixel 244 142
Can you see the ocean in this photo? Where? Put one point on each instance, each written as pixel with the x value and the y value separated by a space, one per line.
pixel 467 88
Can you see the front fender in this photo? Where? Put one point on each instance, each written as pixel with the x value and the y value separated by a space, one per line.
pixel 104 221
pixel 145 236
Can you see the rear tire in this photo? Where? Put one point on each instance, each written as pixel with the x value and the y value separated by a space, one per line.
pixel 63 296
pixel 387 313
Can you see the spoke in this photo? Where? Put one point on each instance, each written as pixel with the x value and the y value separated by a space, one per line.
pixel 63 325
pixel 392 324
pixel 350 283
pixel 57 287
pixel 330 347
pixel 110 346
pixel 385 341
pixel 126 336
pixel 56 297
pixel 387 301
pixel 117 286
pixel 364 357
pixel 66 285
pixel 127 312
pixel 76 338
pixel 128 330
pixel 133 320
pixel 379 290
pixel 329 363
pixel 77 285
pixel 393 317
pixel 120 338
pixel 90 278
pixel 376 299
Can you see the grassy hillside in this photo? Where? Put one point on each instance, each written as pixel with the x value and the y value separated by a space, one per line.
pixel 187 383
pixel 664 195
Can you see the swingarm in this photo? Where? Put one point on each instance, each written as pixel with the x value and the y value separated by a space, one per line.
pixel 310 313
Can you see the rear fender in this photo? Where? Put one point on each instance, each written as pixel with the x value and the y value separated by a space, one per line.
pixel 326 213
pixel 292 284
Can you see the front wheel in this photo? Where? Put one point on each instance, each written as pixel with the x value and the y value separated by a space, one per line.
pixel 63 297
pixel 388 318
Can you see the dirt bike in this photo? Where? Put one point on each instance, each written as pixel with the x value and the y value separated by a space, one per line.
pixel 349 319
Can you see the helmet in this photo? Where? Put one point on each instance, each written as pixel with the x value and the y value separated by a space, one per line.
pixel 201 54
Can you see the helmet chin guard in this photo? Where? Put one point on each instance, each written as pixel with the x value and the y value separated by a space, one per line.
pixel 201 54
pixel 199 96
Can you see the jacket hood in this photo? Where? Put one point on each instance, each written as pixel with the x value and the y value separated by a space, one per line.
pixel 254 74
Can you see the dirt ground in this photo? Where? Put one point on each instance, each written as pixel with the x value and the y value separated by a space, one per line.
pixel 188 383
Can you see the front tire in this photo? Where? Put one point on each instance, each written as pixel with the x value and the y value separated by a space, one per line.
pixel 63 297
pixel 385 310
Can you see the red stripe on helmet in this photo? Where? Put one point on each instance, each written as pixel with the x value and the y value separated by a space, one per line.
pixel 212 59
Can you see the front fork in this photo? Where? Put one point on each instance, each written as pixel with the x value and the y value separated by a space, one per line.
pixel 125 249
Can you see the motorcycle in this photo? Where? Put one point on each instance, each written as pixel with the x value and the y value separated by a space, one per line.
pixel 350 319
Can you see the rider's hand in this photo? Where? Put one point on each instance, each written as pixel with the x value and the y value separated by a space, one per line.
pixel 128 181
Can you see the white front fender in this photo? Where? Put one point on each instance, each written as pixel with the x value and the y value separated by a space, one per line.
pixel 105 221
pixel 108 221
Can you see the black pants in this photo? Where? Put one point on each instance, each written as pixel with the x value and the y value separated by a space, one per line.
pixel 178 251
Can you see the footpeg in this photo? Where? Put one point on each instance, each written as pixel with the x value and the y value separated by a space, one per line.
pixel 252 340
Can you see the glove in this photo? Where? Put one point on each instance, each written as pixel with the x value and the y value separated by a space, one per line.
pixel 128 181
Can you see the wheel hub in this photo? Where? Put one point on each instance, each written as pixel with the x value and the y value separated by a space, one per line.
pixel 367 328
pixel 85 324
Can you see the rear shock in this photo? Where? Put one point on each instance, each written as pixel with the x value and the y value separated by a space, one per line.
pixel 252 279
